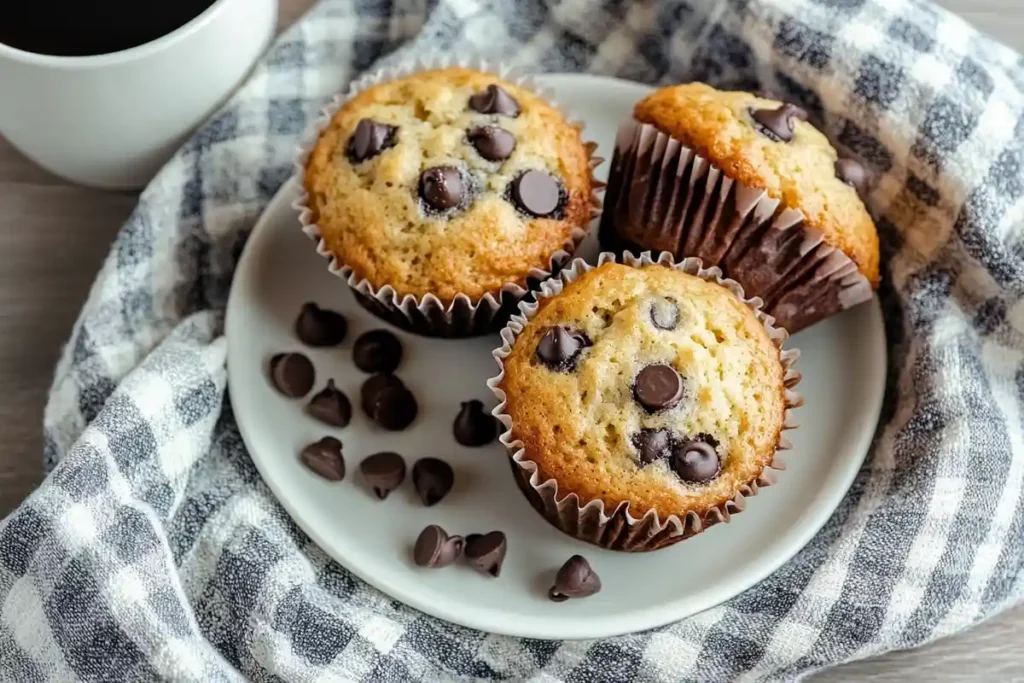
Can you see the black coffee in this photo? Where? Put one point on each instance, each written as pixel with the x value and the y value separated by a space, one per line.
pixel 77 28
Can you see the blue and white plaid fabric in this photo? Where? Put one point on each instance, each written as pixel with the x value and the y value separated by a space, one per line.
pixel 155 552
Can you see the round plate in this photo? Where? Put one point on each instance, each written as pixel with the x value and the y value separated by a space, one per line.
pixel 843 364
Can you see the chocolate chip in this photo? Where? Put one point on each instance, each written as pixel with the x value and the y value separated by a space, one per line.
pixel 492 143
pixel 855 175
pixel 433 479
pixel 435 548
pixel 708 439
pixel 486 552
pixel 377 351
pixel 317 326
pixel 384 472
pixel 387 401
pixel 536 193
pixel 324 458
pixel 778 124
pixel 372 388
pixel 559 349
pixel 331 406
pixel 474 427
pixel 494 100
pixel 441 187
pixel 370 139
pixel 576 579
pixel 665 314
pixel 658 387
pixel 653 444
pixel 696 461
pixel 292 374
pixel 395 409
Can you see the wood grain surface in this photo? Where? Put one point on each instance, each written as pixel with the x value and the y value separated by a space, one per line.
pixel 54 236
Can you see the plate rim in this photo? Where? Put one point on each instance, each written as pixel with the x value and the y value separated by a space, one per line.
pixel 633 621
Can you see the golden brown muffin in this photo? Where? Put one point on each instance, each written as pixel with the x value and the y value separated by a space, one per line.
pixel 646 385
pixel 383 213
pixel 800 172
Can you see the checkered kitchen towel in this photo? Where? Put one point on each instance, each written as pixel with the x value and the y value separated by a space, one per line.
pixel 154 551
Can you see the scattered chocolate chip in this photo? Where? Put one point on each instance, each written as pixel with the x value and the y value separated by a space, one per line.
pixel 576 579
pixel 395 409
pixel 536 193
pixel 492 143
pixel 653 444
pixel 373 386
pixel 370 139
pixel 384 472
pixel 324 458
pixel 331 406
pixel 435 548
pixel 433 479
pixel 855 175
pixel 778 124
pixel 658 387
pixel 292 374
pixel 486 552
pixel 665 314
pixel 377 351
pixel 317 326
pixel 494 100
pixel 441 187
pixel 559 349
pixel 696 461
pixel 474 427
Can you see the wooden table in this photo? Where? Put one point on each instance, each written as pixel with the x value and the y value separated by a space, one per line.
pixel 54 236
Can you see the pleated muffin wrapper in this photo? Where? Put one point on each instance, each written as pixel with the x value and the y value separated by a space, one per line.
pixel 663 196
pixel 429 315
pixel 623 528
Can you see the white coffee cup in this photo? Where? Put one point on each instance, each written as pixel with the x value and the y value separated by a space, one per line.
pixel 113 120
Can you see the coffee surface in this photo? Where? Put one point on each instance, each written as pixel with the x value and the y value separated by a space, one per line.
pixel 77 28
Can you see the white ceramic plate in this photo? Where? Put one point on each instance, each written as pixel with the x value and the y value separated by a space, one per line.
pixel 843 364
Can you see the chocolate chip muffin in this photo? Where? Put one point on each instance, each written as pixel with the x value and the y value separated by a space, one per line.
pixel 655 390
pixel 448 185
pixel 747 184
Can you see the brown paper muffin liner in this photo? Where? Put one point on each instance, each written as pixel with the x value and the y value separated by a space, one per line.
pixel 622 528
pixel 663 196
pixel 429 315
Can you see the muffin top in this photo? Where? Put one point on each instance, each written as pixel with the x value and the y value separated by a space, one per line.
pixel 646 385
pixel 768 144
pixel 448 181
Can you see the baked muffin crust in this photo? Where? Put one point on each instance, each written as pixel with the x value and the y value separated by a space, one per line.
pixel 800 173
pixel 371 214
pixel 580 420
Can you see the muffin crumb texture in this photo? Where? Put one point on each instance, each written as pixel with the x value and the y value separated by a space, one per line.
pixel 646 385
pixel 446 182
pixel 739 133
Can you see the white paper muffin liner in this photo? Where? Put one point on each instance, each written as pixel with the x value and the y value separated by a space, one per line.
pixel 620 528
pixel 429 315
pixel 663 196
